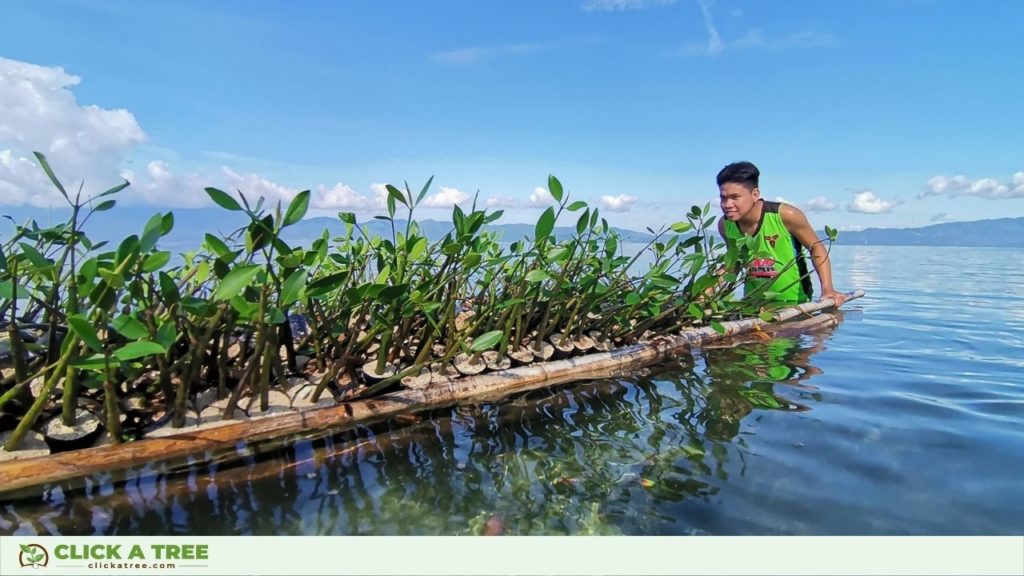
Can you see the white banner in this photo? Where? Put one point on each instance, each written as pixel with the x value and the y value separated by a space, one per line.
pixel 370 555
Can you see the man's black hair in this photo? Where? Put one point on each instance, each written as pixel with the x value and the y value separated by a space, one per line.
pixel 744 173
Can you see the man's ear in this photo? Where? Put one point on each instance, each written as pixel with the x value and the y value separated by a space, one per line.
pixel 757 194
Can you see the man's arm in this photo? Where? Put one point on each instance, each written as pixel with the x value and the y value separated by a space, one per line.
pixel 800 228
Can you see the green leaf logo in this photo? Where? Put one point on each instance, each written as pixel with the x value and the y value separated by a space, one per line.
pixel 33 555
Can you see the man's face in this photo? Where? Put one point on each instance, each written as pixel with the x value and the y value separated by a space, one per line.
pixel 737 200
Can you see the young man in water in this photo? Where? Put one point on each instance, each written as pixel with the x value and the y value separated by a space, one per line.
pixel 781 232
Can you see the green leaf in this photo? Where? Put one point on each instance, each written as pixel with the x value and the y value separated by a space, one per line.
pixel 127 250
pixel 418 248
pixel 260 233
pixel 114 190
pixel 396 194
pixel 581 224
pixel 471 261
pixel 151 233
pixel 236 281
pixel 79 325
pixel 555 187
pixel 166 334
pixel 717 327
pixel 695 311
pixel 33 255
pixel 423 191
pixel 139 349
pixel 169 289
pixel 94 362
pixel 577 205
pixel 129 327
pixel 167 224
pixel 347 217
pixel 292 288
pixel 458 219
pixel 632 298
pixel 545 225
pixel 218 247
pixel 246 310
pixel 493 216
pixel 297 208
pixel 156 261
pixel 766 316
pixel 275 316
pixel 223 200
pixel 326 285
pixel 49 172
pixel 681 227
pixel 25 548
pixel 104 206
pixel 538 275
pixel 486 341
pixel 390 293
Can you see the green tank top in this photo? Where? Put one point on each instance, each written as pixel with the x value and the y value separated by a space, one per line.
pixel 773 258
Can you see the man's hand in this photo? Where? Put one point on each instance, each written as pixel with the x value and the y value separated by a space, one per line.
pixel 838 297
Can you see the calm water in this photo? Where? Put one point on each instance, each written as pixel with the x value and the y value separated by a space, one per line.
pixel 906 419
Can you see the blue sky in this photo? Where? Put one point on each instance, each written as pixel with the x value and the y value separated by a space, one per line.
pixel 866 114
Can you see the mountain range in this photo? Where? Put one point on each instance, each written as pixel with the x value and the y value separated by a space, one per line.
pixel 999 232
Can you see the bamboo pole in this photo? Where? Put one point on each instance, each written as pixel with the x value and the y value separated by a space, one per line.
pixel 20 475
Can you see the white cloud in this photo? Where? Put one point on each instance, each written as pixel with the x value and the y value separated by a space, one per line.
pixel 473 55
pixel 380 194
pixel 620 203
pixel 867 203
pixel 339 197
pixel 38 112
pixel 445 198
pixel 820 204
pixel 255 186
pixel 499 201
pixel 541 197
pixel 621 5
pixel 159 184
pixel 754 39
pixel 961 185
pixel 715 44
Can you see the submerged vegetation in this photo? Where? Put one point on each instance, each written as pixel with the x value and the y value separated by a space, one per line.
pixel 116 337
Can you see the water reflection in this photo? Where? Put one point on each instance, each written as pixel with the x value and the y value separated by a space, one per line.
pixel 630 455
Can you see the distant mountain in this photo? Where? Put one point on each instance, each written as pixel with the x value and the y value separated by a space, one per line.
pixel 192 224
pixel 313 228
pixel 1000 232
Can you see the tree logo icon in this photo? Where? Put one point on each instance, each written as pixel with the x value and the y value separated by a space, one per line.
pixel 33 555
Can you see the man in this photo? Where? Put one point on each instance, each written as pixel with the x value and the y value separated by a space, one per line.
pixel 781 232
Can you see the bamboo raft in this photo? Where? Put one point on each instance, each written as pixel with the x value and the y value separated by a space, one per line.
pixel 22 475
